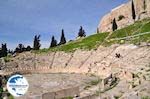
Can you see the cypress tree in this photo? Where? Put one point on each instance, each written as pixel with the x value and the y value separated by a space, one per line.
pixel 133 11
pixel 4 50
pixel 36 43
pixel 81 32
pixel 114 25
pixel 53 42
pixel 63 39
pixel 97 31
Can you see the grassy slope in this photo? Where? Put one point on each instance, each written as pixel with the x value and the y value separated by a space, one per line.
pixel 89 42
pixel 136 28
pixel 95 40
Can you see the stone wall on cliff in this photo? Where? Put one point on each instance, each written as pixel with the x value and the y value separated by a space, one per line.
pixel 142 10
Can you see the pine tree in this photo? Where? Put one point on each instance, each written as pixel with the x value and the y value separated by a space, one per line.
pixel 133 11
pixel 53 42
pixel 63 39
pixel 81 32
pixel 36 43
pixel 20 48
pixel 114 25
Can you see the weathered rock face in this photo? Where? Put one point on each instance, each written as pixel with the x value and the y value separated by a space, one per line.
pixel 123 15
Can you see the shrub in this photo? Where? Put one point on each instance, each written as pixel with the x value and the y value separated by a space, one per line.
pixel 120 17
pixel 95 82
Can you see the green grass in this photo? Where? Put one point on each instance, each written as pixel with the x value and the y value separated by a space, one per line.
pixel 93 41
pixel 88 43
pixel 145 97
pixel 68 97
pixel 10 97
pixel 137 27
pixel 7 58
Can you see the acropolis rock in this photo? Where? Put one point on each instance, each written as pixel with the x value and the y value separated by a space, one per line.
pixel 123 15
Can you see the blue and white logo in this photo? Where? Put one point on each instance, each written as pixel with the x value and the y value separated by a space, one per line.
pixel 17 85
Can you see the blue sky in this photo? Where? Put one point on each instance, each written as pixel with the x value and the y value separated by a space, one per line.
pixel 20 20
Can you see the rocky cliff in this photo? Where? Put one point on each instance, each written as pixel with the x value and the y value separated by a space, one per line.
pixel 123 15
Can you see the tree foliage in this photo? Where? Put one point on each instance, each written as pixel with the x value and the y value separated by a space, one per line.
pixel 133 11
pixel 121 17
pixel 21 48
pixel 81 32
pixel 36 42
pixel 97 31
pixel 53 42
pixel 63 39
pixel 3 51
pixel 114 25
pixel 28 48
